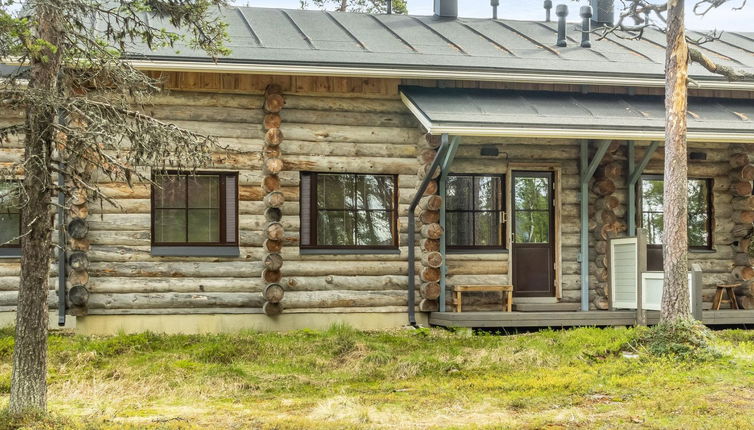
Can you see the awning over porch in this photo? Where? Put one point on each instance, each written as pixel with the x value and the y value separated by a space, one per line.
pixel 482 112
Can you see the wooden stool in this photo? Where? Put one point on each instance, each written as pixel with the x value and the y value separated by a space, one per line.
pixel 507 291
pixel 730 290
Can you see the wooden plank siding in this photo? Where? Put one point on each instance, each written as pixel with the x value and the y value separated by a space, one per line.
pixel 331 124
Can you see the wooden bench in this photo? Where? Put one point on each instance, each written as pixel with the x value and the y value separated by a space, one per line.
pixel 507 291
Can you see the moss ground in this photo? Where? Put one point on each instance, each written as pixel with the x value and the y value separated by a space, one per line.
pixel 343 378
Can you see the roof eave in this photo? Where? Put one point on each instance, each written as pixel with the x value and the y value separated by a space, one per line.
pixel 380 71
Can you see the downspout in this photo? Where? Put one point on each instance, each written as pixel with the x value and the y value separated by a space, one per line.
pixel 62 255
pixel 412 229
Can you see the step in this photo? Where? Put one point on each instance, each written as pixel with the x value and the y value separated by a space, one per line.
pixel 546 307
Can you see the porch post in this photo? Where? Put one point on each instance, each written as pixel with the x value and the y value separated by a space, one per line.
pixel 587 170
pixel 634 173
pixel 445 170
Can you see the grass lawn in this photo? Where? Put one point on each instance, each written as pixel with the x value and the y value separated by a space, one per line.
pixel 401 379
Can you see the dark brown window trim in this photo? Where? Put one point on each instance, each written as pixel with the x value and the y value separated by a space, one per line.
pixel 167 248
pixel 313 248
pixel 709 247
pixel 482 249
pixel 13 250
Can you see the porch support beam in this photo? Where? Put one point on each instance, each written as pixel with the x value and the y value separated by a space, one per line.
pixel 455 141
pixel 587 171
pixel 634 173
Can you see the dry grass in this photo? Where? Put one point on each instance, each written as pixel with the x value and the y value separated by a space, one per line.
pixel 387 380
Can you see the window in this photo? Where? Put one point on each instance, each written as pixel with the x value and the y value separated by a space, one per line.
pixel 349 211
pixel 195 209
pixel 10 216
pixel 474 210
pixel 699 222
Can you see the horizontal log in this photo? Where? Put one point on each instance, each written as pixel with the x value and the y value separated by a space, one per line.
pixel 741 189
pixel 432 259
pixel 743 273
pixel 743 173
pixel 430 290
pixel 431 231
pixel 272 309
pixel 739 160
pixel 743 203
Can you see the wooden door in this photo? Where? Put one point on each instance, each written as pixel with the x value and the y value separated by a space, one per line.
pixel 533 234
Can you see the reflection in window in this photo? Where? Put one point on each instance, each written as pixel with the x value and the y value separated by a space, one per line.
pixel 10 215
pixel 191 209
pixel 473 211
pixel 699 208
pixel 532 209
pixel 350 210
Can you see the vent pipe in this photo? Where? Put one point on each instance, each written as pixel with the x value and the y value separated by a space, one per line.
pixel 446 8
pixel 494 4
pixel 389 7
pixel 548 7
pixel 562 12
pixel 604 12
pixel 586 15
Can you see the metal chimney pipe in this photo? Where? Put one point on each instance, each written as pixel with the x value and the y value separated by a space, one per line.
pixel 446 8
pixel 389 7
pixel 494 4
pixel 548 6
pixel 586 15
pixel 604 12
pixel 562 12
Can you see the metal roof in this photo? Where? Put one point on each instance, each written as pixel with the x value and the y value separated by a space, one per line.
pixel 518 113
pixel 341 39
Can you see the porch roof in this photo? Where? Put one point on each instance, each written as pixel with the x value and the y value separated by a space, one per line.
pixel 475 112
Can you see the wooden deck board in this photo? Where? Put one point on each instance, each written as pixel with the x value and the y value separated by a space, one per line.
pixel 573 319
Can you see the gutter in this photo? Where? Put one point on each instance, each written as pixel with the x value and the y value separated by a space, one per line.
pixel 374 71
pixel 444 145
pixel 202 64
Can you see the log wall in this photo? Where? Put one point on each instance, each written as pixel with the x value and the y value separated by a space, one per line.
pixel 331 125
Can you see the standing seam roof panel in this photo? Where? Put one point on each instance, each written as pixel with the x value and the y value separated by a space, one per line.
pixel 423 39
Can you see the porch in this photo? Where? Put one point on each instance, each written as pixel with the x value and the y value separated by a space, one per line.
pixel 592 124
pixel 519 319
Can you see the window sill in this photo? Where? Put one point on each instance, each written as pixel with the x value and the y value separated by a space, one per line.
pixel 195 251
pixel 311 251
pixel 702 251
pixel 476 251
pixel 10 253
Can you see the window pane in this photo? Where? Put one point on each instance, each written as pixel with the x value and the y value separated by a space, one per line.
pixel 532 193
pixel 373 228
pixel 335 228
pixel 651 195
pixel 203 191
pixel 460 193
pixel 9 228
pixel 487 188
pixel 459 228
pixel 698 234
pixel 652 223
pixel 374 192
pixel 170 191
pixel 697 196
pixel 9 197
pixel 335 191
pixel 203 225
pixel 170 225
pixel 532 226
pixel 486 231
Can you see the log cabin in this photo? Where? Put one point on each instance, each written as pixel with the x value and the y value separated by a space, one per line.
pixel 371 163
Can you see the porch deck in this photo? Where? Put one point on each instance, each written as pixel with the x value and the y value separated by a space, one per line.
pixel 573 319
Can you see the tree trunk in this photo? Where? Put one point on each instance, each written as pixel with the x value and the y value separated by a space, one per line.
pixel 28 391
pixel 675 295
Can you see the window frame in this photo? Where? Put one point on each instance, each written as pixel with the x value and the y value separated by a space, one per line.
pixel 13 249
pixel 710 209
pixel 178 246
pixel 314 218
pixel 502 220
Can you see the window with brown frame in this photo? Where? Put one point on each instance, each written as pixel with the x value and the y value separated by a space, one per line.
pixel 349 211
pixel 699 215
pixel 474 211
pixel 10 215
pixel 195 209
